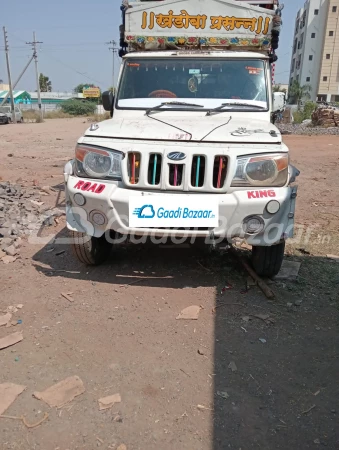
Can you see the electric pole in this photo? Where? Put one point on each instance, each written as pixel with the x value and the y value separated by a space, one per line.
pixel 114 52
pixel 35 56
pixel 9 75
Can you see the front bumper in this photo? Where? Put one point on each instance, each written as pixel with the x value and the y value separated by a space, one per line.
pixel 112 201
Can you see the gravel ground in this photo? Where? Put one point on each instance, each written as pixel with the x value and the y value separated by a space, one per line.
pixel 306 130
pixel 249 374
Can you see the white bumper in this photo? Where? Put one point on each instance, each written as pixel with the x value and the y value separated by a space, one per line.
pixel 112 202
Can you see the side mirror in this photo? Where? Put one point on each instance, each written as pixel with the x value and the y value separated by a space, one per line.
pixel 108 101
pixel 279 101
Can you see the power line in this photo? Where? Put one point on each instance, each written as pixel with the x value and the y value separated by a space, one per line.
pixel 83 74
pixel 9 74
pixel 35 56
pixel 114 51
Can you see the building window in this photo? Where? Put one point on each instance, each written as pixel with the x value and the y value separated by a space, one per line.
pixel 334 9
pixel 303 23
pixel 316 12
pixel 328 56
pixel 297 26
pixel 308 79
pixel 324 78
pixel 310 58
pixel 295 45
pixel 322 98
pixel 293 65
pixel 313 35
pixel 331 33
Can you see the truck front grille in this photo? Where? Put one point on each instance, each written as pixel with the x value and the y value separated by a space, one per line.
pixel 203 173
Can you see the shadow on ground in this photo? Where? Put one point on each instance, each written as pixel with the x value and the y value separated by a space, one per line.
pixel 276 363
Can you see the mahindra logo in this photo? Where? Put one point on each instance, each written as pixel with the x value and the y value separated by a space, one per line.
pixel 176 156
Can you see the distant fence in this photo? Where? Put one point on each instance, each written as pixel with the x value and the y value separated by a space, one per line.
pixel 47 107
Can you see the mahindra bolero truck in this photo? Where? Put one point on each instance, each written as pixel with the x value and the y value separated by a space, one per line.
pixel 190 153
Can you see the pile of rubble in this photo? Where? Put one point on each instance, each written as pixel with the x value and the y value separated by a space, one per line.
pixel 21 213
pixel 326 116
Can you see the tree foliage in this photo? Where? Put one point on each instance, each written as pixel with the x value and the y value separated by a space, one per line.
pixel 79 89
pixel 298 93
pixel 277 88
pixel 45 83
pixel 78 107
pixel 306 113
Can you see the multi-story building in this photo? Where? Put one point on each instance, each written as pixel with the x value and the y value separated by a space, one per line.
pixel 315 53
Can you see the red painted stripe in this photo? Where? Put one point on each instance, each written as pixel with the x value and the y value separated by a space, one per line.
pixel 133 169
pixel 220 173
pixel 175 175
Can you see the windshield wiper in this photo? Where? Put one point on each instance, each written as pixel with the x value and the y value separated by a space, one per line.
pixel 232 106
pixel 157 108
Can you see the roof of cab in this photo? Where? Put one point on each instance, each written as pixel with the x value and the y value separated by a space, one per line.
pixel 199 53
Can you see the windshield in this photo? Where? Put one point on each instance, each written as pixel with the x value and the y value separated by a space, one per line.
pixel 5 109
pixel 208 82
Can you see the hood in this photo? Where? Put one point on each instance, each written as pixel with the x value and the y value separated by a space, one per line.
pixel 214 128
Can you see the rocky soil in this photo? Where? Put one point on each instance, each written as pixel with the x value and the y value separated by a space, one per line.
pixel 22 212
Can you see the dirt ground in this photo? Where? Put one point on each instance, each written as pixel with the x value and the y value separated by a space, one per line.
pixel 121 335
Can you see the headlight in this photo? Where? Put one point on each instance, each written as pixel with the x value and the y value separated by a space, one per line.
pixel 96 162
pixel 263 170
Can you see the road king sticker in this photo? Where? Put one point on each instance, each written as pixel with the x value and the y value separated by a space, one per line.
pixel 173 211
pixel 261 194
pixel 87 186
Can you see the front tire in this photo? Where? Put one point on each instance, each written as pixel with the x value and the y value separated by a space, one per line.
pixel 90 250
pixel 267 261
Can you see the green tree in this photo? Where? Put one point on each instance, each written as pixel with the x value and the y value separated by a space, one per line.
pixel 78 107
pixel 298 93
pixel 79 89
pixel 45 83
pixel 277 88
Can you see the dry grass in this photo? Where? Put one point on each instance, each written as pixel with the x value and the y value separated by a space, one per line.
pixel 33 116
pixel 57 114
pixel 100 117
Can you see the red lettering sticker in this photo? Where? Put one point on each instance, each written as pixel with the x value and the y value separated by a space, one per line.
pixel 100 189
pixel 86 186
pixel 261 194
pixel 79 184
pixel 90 187
pixel 93 187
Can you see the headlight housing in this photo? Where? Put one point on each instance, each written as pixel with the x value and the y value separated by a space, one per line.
pixel 97 162
pixel 262 170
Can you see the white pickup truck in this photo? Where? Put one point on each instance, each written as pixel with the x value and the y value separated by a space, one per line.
pixel 190 152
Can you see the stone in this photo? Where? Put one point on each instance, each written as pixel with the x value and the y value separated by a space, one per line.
pixel 18 243
pixel 6 242
pixel 5 232
pixel 8 259
pixel 289 271
pixel 2 254
pixel 11 250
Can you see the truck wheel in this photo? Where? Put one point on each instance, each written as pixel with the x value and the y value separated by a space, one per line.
pixel 93 251
pixel 267 261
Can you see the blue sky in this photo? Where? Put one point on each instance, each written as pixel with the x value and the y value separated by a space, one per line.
pixel 74 33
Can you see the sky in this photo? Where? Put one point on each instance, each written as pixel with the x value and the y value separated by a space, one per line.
pixel 74 35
